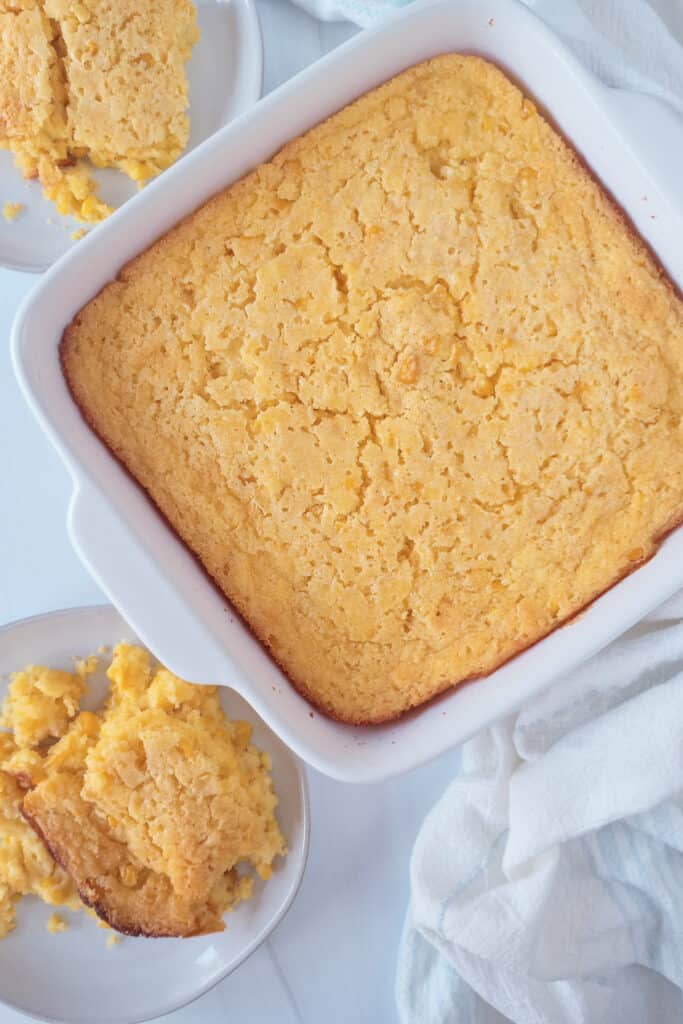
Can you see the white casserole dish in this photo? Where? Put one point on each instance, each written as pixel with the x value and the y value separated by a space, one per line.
pixel 633 144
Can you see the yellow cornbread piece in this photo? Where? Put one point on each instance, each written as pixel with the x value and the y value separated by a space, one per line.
pixel 41 703
pixel 26 867
pixel 411 391
pixel 127 90
pixel 39 707
pixel 33 108
pixel 109 878
pixel 56 924
pixel 97 79
pixel 11 211
pixel 193 773
pixel 32 87
pixel 155 805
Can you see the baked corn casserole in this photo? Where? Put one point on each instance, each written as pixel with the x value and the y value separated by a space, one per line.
pixel 99 79
pixel 152 812
pixel 40 704
pixel 411 390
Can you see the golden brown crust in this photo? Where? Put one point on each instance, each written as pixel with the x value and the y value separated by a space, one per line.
pixel 460 431
pixel 156 912
pixel 156 807
pixel 26 867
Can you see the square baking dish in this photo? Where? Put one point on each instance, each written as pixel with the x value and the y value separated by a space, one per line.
pixel 633 144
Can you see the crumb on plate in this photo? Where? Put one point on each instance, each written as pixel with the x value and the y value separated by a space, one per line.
pixel 11 211
pixel 85 667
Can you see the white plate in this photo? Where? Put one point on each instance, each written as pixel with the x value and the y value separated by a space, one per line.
pixel 225 76
pixel 73 976
pixel 633 144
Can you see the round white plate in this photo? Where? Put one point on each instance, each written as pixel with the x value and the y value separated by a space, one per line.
pixel 73 976
pixel 225 76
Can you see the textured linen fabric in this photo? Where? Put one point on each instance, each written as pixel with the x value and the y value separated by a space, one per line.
pixel 547 882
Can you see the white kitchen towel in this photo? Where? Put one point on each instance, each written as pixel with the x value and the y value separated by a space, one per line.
pixel 547 883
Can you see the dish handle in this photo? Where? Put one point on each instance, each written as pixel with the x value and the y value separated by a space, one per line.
pixel 132 578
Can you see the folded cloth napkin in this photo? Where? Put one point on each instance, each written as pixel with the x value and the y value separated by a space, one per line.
pixel 547 883
pixel 553 865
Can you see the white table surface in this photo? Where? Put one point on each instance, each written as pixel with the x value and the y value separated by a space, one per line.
pixel 332 959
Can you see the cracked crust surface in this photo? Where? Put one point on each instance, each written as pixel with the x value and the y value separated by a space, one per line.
pixel 411 391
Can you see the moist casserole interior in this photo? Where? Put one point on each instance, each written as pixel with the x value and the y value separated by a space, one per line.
pixel 411 390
